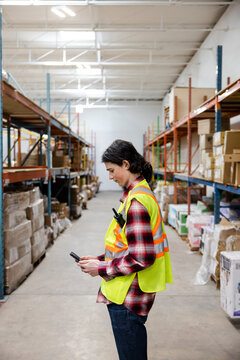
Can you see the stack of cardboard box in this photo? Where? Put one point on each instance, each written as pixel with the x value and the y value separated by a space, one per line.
pixel 76 201
pixel 60 159
pixel 35 213
pixel 22 220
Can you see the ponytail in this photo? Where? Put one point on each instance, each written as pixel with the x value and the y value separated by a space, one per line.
pixel 121 150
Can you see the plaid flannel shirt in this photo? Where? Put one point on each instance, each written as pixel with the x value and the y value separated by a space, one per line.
pixel 140 256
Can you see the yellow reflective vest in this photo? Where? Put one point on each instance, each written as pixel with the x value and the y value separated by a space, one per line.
pixel 153 278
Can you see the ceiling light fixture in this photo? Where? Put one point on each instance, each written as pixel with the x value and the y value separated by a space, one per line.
pixel 68 11
pixel 58 11
pixel 62 11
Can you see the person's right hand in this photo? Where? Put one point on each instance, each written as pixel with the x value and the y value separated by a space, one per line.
pixel 89 257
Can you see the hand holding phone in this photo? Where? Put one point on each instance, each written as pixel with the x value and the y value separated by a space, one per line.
pixel 75 256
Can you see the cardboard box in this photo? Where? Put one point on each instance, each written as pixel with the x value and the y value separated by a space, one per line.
pixel 61 161
pixel 206 141
pixel 181 229
pixel 207 126
pixel 34 194
pixel 35 210
pixel 17 235
pixel 232 141
pixel 12 219
pixel 39 243
pixel 37 223
pixel 38 237
pixel 209 174
pixel 16 201
pixel 230 283
pixel 182 93
pixel 219 162
pixel 15 253
pixel 223 174
pixel 218 138
pixel 218 150
pixel 17 272
pixel 210 162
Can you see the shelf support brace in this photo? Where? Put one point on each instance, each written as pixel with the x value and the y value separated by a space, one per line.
pixel 49 145
pixel 189 143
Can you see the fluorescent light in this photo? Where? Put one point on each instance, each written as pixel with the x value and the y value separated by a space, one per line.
pixel 79 109
pixel 58 12
pixel 68 11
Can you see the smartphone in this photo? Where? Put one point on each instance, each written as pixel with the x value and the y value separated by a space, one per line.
pixel 75 256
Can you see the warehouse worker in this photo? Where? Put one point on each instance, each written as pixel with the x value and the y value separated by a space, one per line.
pixel 136 263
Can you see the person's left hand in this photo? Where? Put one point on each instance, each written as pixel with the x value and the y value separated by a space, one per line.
pixel 89 266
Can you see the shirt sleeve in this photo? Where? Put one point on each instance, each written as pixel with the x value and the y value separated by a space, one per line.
pixel 141 253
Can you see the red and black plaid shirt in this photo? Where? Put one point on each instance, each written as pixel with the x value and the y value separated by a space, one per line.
pixel 141 255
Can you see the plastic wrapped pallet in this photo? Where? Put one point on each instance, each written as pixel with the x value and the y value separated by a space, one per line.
pixel 16 201
pixel 39 243
pixel 76 210
pixel 35 213
pixel 34 195
pixel 14 218
pixel 222 232
pixel 17 272
pixel 203 274
pixel 14 253
pixel 174 209
pixel 195 223
pixel 18 234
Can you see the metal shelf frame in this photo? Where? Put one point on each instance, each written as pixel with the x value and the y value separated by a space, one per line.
pixel 226 102
pixel 18 111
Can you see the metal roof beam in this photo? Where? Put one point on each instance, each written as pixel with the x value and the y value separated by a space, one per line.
pixel 112 3
pixel 110 28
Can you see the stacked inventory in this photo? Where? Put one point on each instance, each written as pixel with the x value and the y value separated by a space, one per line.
pixel 76 202
pixel 215 239
pixel 24 237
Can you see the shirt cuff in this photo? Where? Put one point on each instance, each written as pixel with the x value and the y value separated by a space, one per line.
pixel 102 271
pixel 101 257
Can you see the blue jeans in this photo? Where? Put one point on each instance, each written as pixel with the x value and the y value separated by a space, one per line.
pixel 129 332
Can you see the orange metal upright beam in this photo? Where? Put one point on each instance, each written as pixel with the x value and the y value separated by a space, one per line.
pixel 189 143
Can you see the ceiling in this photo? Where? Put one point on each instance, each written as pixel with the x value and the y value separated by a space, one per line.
pixel 111 53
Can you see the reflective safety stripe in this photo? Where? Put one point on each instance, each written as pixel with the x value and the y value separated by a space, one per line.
pixel 110 255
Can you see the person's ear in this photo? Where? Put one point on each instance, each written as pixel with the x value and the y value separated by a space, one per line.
pixel 126 165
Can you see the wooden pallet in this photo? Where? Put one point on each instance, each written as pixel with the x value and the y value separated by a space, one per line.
pixel 39 260
pixel 9 290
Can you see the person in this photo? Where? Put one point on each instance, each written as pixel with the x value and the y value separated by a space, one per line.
pixel 136 263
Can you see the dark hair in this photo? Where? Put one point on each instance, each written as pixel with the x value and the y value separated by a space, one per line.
pixel 121 150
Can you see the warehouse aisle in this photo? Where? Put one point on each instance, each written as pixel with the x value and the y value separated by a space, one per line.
pixel 54 315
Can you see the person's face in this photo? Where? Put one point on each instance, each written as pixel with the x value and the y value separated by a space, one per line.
pixel 120 174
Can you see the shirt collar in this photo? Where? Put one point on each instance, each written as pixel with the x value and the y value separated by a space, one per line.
pixel 131 186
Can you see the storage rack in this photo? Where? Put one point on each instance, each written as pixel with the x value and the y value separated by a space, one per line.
pixel 20 112
pixel 226 102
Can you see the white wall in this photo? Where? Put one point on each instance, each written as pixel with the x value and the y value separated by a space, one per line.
pixel 111 124
pixel 202 67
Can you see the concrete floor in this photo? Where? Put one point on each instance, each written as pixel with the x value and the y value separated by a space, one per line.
pixel 54 315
